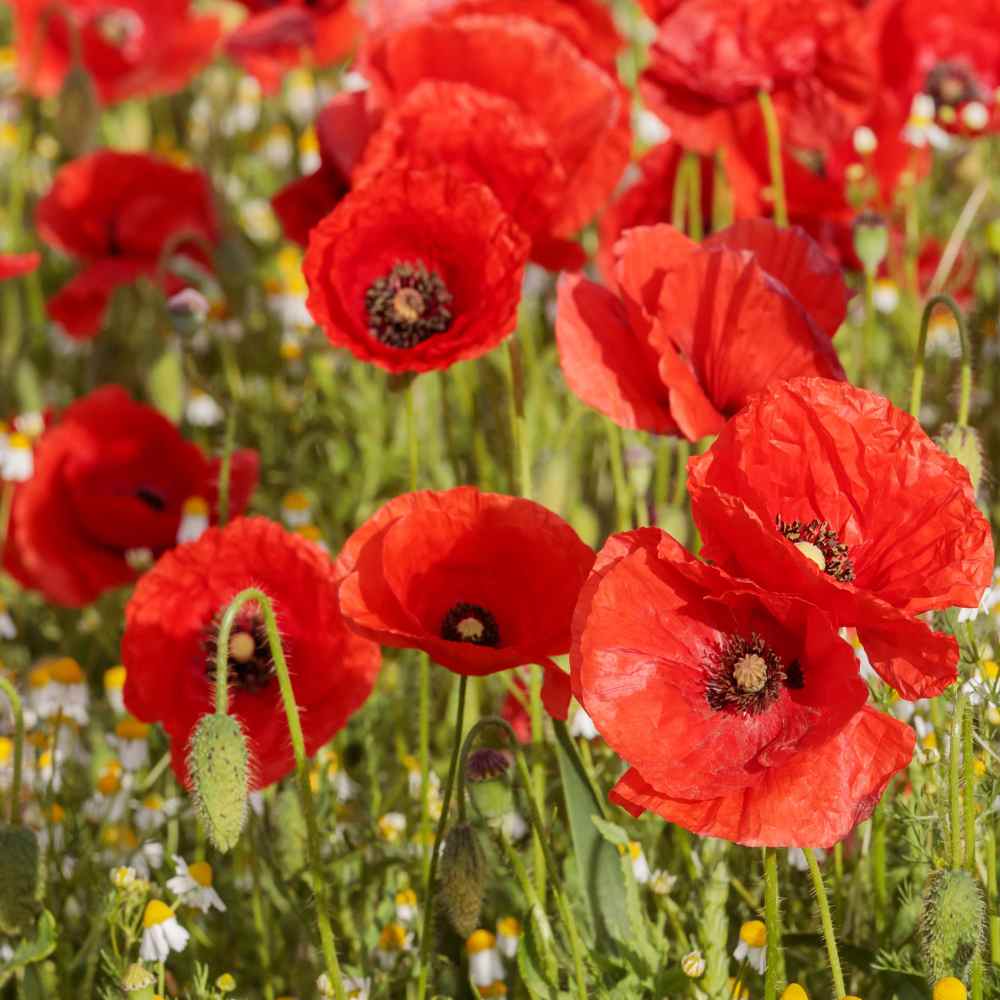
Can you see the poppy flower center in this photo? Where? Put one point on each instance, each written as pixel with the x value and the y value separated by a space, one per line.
pixel 408 305
pixel 819 543
pixel 952 84
pixel 151 498
pixel 470 623
pixel 745 676
pixel 251 667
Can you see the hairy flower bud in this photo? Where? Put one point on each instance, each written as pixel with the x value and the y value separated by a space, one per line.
pixel 20 881
pixel 488 783
pixel 964 445
pixel 138 983
pixel 463 878
pixel 219 765
pixel 951 924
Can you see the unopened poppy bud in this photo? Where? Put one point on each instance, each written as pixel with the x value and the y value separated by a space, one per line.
pixel 78 111
pixel 290 830
pixel 486 771
pixel 219 765
pixel 949 988
pixel 951 924
pixel 138 983
pixel 871 240
pixel 463 878
pixel 20 882
pixel 963 444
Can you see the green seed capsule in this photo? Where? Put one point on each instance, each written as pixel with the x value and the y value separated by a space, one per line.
pixel 219 765
pixel 463 878
pixel 951 924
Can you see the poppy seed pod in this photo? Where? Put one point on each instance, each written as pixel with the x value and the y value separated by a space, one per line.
pixel 487 775
pixel 463 878
pixel 951 924
pixel 871 240
pixel 219 765
pixel 20 885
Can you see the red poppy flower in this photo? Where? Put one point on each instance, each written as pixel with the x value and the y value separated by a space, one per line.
pixel 118 213
pixel 740 712
pixel 111 477
pixel 130 48
pixel 829 492
pixel 649 200
pixel 533 65
pixel 343 128
pixel 416 270
pixel 169 644
pixel 696 330
pixel 13 265
pixel 949 50
pixel 712 57
pixel 479 581
pixel 279 34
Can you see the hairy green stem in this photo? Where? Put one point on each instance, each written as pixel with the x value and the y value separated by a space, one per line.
pixel 968 760
pixel 773 131
pixel 955 786
pixel 772 917
pixel 917 384
pixel 827 921
pixel 623 505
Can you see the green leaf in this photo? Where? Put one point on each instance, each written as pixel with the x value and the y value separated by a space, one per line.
pixel 166 384
pixel 29 952
pixel 598 863
pixel 611 832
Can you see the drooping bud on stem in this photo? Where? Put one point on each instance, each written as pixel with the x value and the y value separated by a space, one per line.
pixel 951 924
pixel 219 766
pixel 463 878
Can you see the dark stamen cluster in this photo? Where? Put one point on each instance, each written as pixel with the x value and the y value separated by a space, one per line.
pixel 952 84
pixel 408 306
pixel 250 673
pixel 470 623
pixel 819 533
pixel 745 676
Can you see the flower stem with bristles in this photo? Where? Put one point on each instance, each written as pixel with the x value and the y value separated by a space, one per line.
pixel 827 921
pixel 427 924
pixel 970 789
pixel 917 384
pixel 299 750
pixel 772 917
pixel 16 707
pixel 954 786
pixel 773 132
pixel 623 505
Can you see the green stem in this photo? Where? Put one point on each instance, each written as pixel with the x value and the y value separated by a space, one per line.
pixel 880 883
pixel 16 707
pixel 518 429
pixel 773 132
pixel 696 224
pixel 990 849
pixel 259 924
pixel 427 924
pixel 827 921
pixel 623 506
pixel 955 786
pixel 772 917
pixel 6 504
pixel 867 334
pixel 917 384
pixel 970 789
pixel 226 466
pixel 298 749
pixel 537 787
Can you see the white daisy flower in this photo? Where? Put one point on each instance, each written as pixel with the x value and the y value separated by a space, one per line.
pixel 161 933
pixel 508 936
pixel 485 965
pixel 752 945
pixel 193 885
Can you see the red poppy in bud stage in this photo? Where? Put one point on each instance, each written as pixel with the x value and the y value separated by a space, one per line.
pixel 949 50
pixel 740 712
pixel 416 270
pixel 13 265
pixel 171 627
pixel 650 199
pixel 829 492
pixel 711 58
pixel 111 478
pixel 279 35
pixel 696 330
pixel 131 48
pixel 119 213
pixel 343 128
pixel 479 581
pixel 533 66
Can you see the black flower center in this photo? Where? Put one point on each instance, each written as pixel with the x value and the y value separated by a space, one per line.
pixel 745 676
pixel 952 84
pixel 151 498
pixel 251 667
pixel 470 623
pixel 819 542
pixel 408 306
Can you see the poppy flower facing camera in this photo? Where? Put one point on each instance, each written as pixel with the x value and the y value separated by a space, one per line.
pixel 172 620
pixel 479 581
pixel 829 492
pixel 740 712
pixel 416 270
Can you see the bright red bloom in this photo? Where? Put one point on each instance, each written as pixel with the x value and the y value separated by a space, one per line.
pixel 535 67
pixel 829 492
pixel 948 49
pixel 171 623
pixel 13 265
pixel 741 712
pixel 696 330
pixel 712 57
pixel 343 129
pixel 118 213
pixel 111 476
pixel 281 34
pixel 131 48
pixel 479 581
pixel 416 270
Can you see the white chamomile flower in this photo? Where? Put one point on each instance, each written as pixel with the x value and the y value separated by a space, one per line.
pixel 514 826
pixel 406 906
pixel 8 630
pixel 921 130
pixel 693 965
pixel 582 726
pixel 662 883
pixel 114 687
pixel 391 827
pixel 202 410
pixel 485 965
pixel 131 740
pixel 640 866
pixel 194 520
pixel 123 877
pixel 752 945
pixel 193 885
pixel 18 462
pixel 296 509
pixel 393 941
pixel 885 295
pixel 42 699
pixel 161 933
pixel 153 811
pixel 508 936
